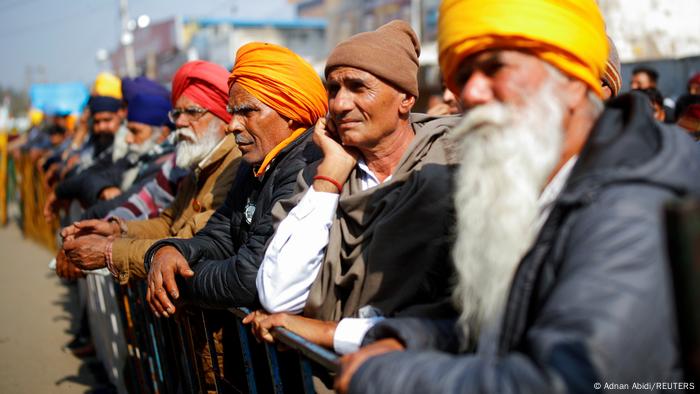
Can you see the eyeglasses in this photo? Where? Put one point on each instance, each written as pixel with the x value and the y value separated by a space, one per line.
pixel 193 113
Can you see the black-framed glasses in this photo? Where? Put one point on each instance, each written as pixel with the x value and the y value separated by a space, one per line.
pixel 193 113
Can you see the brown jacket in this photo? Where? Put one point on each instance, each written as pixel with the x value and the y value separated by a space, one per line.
pixel 200 193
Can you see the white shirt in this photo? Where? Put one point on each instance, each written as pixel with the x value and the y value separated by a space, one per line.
pixel 295 254
pixel 294 257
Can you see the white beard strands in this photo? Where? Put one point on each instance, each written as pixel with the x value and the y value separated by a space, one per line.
pixel 507 155
pixel 146 146
pixel 188 154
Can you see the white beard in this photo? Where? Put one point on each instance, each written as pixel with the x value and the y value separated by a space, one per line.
pixel 507 155
pixel 188 154
pixel 146 146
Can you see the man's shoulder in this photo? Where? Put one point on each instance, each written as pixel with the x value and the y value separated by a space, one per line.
pixel 421 121
pixel 303 153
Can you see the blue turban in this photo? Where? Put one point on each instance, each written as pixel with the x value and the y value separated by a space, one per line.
pixel 142 85
pixel 147 101
pixel 104 104
pixel 149 109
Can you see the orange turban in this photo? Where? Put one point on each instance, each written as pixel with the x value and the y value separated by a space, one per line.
pixel 569 34
pixel 283 81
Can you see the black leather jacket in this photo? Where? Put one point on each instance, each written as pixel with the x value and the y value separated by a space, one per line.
pixel 226 254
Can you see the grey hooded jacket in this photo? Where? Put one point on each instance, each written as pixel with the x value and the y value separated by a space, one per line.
pixel 592 301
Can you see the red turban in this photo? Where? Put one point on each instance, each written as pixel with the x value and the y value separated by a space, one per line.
pixel 204 83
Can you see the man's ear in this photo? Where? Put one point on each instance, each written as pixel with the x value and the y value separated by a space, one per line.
pixel 164 131
pixel 574 93
pixel 407 103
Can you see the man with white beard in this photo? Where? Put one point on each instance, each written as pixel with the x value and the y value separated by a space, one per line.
pixel 563 279
pixel 199 112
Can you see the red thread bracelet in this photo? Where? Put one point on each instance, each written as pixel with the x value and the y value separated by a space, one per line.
pixel 332 181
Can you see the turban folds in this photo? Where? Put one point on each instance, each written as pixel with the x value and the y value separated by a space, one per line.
pixel 148 109
pixel 147 101
pixel 390 53
pixel 104 104
pixel 204 83
pixel 283 81
pixel 569 34
pixel 106 94
pixel 107 84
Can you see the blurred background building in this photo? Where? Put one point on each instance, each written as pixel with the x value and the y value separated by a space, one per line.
pixel 661 33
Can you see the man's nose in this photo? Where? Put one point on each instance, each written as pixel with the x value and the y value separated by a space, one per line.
pixel 234 126
pixel 477 90
pixel 180 122
pixel 341 103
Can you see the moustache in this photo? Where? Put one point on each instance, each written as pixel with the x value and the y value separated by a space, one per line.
pixel 240 140
pixel 186 133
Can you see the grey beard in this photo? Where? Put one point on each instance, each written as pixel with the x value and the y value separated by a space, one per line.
pixel 189 154
pixel 507 155
pixel 146 146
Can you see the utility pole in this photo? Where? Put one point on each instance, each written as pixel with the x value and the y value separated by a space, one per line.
pixel 417 18
pixel 127 38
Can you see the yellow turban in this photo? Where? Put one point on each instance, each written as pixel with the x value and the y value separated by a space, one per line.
pixel 283 81
pixel 108 85
pixel 569 34
pixel 35 116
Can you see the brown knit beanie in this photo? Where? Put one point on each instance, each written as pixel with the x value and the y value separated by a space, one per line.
pixel 389 53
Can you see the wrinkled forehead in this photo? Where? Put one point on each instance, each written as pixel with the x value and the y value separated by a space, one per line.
pixel 238 96
pixel 343 73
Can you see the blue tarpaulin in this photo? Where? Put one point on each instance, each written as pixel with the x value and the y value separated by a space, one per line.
pixel 59 98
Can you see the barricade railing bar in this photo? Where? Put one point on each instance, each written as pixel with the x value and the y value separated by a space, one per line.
pixel 166 355
pixel 180 354
pixel 314 352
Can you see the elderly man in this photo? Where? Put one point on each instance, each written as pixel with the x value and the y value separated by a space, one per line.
pixel 148 148
pixel 569 312
pixel 371 234
pixel 107 116
pixel 275 97
pixel 199 112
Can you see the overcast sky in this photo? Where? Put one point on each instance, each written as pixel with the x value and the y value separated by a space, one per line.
pixel 64 36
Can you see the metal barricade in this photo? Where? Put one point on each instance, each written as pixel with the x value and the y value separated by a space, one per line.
pixel 183 354
pixel 33 197
pixel 195 351
pixel 4 179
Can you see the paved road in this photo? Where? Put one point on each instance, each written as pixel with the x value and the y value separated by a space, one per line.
pixel 35 320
